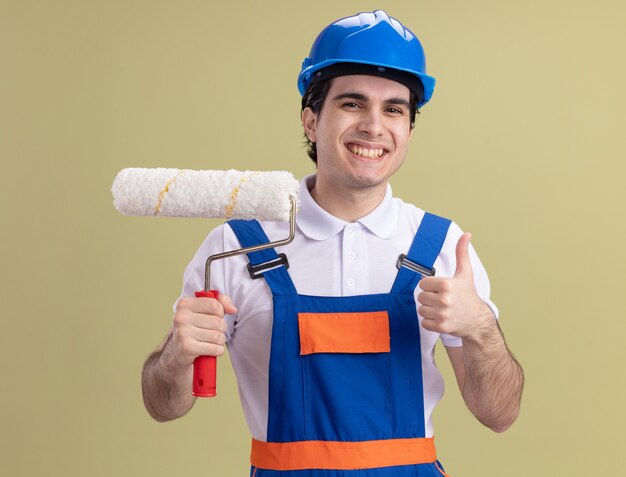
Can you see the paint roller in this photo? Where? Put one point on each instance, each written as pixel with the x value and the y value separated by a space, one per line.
pixel 166 192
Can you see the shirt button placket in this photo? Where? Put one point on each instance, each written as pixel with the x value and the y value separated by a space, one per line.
pixel 349 256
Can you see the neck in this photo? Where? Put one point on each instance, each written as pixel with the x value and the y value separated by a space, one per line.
pixel 348 204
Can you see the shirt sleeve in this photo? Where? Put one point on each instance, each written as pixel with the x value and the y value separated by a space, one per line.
pixel 481 280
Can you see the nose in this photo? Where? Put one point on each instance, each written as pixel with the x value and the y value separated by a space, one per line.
pixel 372 123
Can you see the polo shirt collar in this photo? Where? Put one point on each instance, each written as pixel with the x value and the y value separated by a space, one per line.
pixel 317 224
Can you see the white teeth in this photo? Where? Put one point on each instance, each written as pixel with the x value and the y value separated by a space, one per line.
pixel 371 153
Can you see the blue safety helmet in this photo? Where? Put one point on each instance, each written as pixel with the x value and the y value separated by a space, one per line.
pixel 368 40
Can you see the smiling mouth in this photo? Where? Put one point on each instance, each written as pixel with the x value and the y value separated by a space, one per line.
pixel 368 153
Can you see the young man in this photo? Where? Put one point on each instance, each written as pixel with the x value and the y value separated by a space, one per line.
pixel 334 358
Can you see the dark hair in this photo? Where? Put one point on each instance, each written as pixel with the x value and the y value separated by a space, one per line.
pixel 314 98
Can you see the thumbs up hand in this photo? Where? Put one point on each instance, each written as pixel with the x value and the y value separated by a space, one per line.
pixel 452 305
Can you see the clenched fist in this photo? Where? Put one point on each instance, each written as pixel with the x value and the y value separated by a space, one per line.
pixel 197 330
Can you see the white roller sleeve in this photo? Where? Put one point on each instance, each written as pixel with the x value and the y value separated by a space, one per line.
pixel 210 194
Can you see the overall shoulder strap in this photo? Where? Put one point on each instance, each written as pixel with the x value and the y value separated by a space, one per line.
pixel 250 233
pixel 421 257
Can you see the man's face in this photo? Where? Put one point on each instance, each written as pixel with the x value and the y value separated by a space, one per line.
pixel 362 131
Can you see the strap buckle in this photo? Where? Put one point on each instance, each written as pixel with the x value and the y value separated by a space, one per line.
pixel 416 267
pixel 256 271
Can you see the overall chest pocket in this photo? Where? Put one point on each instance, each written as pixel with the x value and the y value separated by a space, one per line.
pixel 360 332
pixel 345 359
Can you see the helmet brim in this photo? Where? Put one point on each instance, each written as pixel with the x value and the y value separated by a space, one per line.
pixel 308 75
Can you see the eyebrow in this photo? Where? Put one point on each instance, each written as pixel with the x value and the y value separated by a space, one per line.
pixel 362 97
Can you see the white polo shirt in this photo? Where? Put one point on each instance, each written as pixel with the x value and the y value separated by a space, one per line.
pixel 328 257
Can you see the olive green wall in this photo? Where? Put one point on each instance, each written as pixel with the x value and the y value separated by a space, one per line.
pixel 522 144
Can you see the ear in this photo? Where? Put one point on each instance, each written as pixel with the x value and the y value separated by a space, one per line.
pixel 309 123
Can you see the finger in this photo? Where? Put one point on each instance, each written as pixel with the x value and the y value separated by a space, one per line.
pixel 209 306
pixel 191 338
pixel 208 322
pixel 429 325
pixel 209 336
pixel 206 349
pixel 463 264
pixel 427 312
pixel 435 284
pixel 428 298
pixel 227 303
pixel 184 319
pixel 190 343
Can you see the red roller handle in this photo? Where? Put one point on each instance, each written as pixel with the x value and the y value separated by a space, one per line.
pixel 205 367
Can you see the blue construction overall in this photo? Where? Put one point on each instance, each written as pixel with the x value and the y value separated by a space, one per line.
pixel 346 395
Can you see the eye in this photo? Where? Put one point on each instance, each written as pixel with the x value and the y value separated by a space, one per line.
pixel 394 110
pixel 350 105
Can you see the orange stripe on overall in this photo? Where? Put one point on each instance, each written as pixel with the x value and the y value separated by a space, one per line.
pixel 342 455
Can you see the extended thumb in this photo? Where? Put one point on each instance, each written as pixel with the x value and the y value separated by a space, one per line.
pixel 463 264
